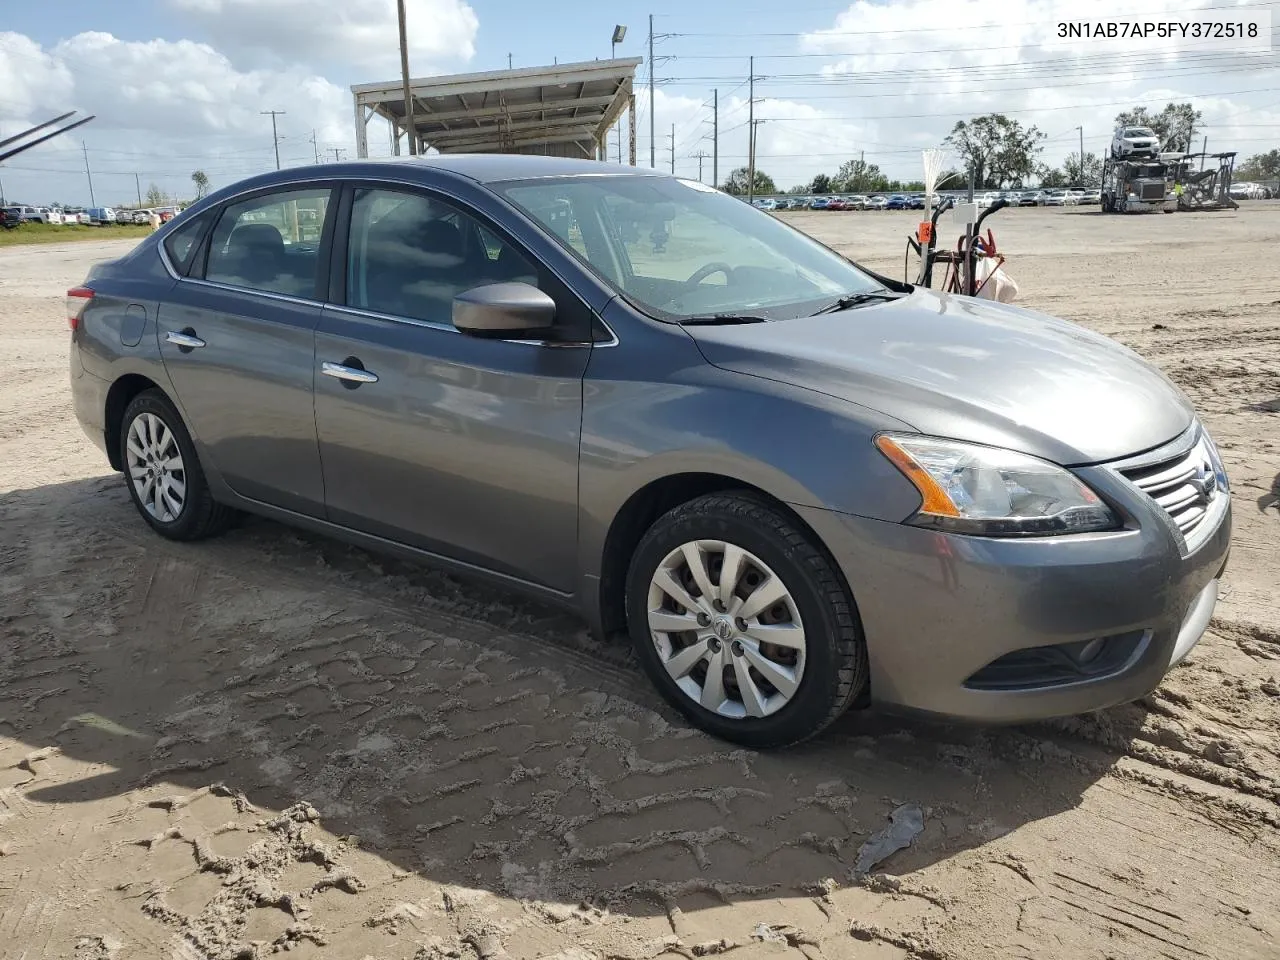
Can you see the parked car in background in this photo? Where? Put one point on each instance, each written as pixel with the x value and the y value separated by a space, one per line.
pixel 836 203
pixel 896 202
pixel 987 199
pixel 102 216
pixel 857 201
pixel 877 203
pixel 24 214
pixel 1092 196
pixel 819 203
pixel 731 456
pixel 1053 198
pixel 1071 198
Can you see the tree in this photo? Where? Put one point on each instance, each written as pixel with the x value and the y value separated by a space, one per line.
pixel 155 196
pixel 1090 175
pixel 998 150
pixel 950 178
pixel 201 180
pixel 1175 125
pixel 820 184
pixel 858 176
pixel 738 181
pixel 1053 177
pixel 1261 166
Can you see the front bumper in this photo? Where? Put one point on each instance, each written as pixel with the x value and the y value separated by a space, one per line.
pixel 937 609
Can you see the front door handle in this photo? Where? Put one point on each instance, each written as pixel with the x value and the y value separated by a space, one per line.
pixel 348 374
pixel 188 340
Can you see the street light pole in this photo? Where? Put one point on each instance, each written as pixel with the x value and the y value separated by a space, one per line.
pixel 619 34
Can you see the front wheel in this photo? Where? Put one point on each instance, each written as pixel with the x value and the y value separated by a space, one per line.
pixel 743 623
pixel 163 473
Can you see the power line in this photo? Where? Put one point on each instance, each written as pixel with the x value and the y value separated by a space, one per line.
pixel 1065 106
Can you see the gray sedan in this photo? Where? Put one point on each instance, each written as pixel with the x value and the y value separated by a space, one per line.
pixel 797 485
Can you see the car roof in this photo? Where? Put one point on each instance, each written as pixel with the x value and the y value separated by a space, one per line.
pixel 494 167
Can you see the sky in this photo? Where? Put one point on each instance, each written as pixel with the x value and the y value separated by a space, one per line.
pixel 180 85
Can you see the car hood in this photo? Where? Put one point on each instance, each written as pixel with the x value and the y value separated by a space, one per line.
pixel 968 369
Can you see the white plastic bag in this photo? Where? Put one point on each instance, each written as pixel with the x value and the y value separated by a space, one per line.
pixel 993 283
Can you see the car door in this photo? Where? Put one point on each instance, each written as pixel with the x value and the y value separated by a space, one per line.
pixel 237 336
pixel 462 446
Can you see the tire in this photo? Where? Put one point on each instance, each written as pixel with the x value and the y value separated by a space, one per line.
pixel 197 514
pixel 831 663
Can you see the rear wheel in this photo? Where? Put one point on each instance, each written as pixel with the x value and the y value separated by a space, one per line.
pixel 163 472
pixel 743 622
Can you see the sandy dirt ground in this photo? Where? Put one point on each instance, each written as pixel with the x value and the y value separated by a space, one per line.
pixel 273 742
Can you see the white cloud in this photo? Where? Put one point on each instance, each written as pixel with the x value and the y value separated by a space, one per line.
pixel 162 109
pixel 30 79
pixel 907 71
pixel 892 79
pixel 361 34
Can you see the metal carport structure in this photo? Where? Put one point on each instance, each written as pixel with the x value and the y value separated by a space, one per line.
pixel 563 110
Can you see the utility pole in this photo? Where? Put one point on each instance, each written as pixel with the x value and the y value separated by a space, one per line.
pixel 335 151
pixel 275 137
pixel 653 161
pixel 315 146
pixel 508 61
pixel 87 173
pixel 1203 150
pixel 1081 170
pixel 715 138
pixel 673 148
pixel 138 185
pixel 409 127
pixel 700 155
pixel 751 130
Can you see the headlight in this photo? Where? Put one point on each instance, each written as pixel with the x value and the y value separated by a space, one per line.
pixel 966 488
pixel 1215 463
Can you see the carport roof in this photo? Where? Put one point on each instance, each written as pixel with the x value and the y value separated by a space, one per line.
pixel 509 109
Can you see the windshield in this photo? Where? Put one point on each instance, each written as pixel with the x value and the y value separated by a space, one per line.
pixel 679 249
pixel 1138 132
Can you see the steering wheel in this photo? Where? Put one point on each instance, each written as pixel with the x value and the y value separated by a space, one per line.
pixel 707 270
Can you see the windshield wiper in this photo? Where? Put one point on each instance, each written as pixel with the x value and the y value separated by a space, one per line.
pixel 848 301
pixel 721 319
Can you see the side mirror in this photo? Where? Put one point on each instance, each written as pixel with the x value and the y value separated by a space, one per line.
pixel 503 310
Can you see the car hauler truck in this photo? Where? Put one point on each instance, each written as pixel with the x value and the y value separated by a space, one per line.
pixel 1131 186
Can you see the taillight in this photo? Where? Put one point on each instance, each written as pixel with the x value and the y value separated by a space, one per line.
pixel 77 299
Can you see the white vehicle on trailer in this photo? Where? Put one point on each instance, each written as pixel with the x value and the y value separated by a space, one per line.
pixel 1134 142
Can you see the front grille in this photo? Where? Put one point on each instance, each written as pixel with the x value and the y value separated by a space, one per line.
pixel 1152 191
pixel 1183 486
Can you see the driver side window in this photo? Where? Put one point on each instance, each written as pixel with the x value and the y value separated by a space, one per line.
pixel 409 255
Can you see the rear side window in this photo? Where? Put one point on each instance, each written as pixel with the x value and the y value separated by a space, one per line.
pixel 270 243
pixel 181 243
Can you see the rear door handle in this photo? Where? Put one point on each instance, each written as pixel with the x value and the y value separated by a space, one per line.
pixel 349 374
pixel 188 340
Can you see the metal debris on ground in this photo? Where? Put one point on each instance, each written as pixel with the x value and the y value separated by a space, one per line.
pixel 905 824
